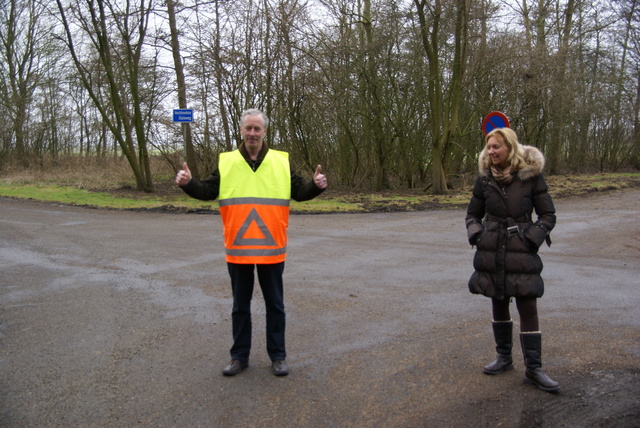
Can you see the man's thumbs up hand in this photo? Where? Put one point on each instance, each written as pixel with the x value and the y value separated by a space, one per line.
pixel 319 178
pixel 184 175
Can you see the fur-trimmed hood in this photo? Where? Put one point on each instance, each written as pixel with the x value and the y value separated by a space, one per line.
pixel 534 163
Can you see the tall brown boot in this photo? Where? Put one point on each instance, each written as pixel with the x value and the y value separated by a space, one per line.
pixel 503 335
pixel 532 351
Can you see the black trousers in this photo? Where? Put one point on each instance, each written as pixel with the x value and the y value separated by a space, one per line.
pixel 242 282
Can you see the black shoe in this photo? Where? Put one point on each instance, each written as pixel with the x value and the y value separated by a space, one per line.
pixel 279 368
pixel 235 367
pixel 502 363
pixel 538 378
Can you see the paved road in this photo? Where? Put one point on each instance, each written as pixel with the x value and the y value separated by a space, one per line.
pixel 120 319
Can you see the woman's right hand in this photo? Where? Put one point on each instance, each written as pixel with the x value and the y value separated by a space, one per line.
pixel 473 232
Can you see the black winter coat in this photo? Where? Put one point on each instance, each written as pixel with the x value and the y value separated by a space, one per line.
pixel 507 264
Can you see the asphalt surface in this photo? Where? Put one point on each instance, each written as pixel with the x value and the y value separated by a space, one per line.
pixel 121 319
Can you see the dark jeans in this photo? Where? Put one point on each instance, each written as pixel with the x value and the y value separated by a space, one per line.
pixel 242 281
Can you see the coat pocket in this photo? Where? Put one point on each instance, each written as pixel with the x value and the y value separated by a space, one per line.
pixel 534 237
pixel 473 233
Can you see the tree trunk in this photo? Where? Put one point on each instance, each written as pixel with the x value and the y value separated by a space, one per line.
pixel 444 108
pixel 373 103
pixel 558 107
pixel 182 89
pixel 219 71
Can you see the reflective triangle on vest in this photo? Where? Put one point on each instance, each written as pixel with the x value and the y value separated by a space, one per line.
pixel 254 220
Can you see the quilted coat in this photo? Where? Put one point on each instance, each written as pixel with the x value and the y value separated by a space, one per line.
pixel 506 261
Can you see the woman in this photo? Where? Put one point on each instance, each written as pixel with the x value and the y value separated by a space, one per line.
pixel 509 187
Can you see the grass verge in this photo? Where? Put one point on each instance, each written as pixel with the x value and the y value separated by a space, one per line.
pixel 169 198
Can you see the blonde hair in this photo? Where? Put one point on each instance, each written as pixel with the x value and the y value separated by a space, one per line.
pixel 516 154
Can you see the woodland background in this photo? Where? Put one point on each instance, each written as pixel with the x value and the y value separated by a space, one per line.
pixel 384 94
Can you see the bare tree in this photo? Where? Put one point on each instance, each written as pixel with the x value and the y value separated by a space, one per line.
pixel 444 100
pixel 385 93
pixel 634 41
pixel 120 59
pixel 25 56
pixel 559 103
pixel 630 45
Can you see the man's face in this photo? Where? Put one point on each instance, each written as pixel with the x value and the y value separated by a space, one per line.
pixel 253 132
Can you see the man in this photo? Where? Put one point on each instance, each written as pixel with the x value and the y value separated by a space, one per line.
pixel 254 186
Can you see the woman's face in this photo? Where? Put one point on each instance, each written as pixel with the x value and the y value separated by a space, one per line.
pixel 498 151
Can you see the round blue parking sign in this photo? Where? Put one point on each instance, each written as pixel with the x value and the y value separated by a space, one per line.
pixel 494 120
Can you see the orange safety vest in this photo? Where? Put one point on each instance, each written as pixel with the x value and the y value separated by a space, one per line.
pixel 254 206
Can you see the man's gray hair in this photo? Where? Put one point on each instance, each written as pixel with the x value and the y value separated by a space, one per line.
pixel 254 112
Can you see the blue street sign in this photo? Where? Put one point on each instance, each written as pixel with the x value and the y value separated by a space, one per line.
pixel 183 115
